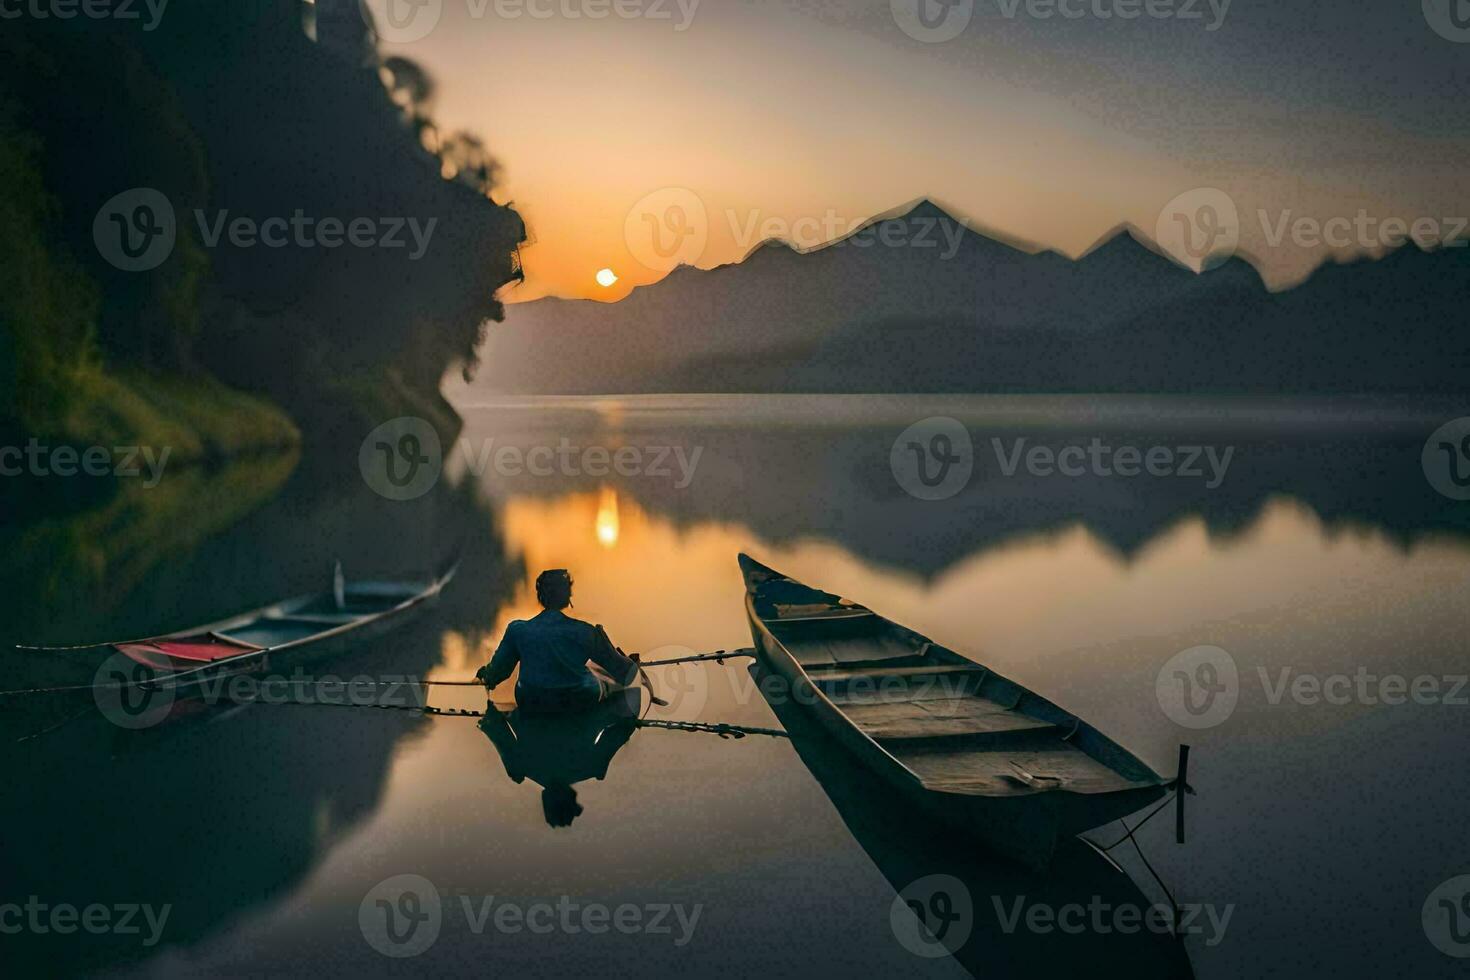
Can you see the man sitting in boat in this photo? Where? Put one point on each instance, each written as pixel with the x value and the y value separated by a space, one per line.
pixel 566 664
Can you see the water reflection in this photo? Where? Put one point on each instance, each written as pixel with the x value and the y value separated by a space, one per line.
pixel 1325 551
pixel 226 810
pixel 907 850
pixel 557 752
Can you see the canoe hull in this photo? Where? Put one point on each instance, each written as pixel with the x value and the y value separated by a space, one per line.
pixel 72 672
pixel 1025 828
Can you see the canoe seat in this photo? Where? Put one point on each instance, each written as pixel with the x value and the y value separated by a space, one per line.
pixel 879 671
pixel 327 619
pixel 1000 765
pixel 938 718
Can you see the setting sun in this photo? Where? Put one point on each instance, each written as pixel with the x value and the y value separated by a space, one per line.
pixel 606 278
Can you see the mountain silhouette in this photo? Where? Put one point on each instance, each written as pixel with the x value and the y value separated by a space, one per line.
pixel 921 302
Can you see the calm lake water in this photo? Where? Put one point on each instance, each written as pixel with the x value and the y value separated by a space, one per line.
pixel 1320 569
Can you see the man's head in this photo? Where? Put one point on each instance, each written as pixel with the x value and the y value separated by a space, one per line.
pixel 559 804
pixel 554 588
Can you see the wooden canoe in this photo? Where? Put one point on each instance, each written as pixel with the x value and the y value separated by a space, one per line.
pixel 968 745
pixel 275 638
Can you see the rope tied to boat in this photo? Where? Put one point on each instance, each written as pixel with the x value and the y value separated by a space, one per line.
pixel 167 681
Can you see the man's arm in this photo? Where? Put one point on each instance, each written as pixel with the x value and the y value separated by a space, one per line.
pixel 622 669
pixel 507 655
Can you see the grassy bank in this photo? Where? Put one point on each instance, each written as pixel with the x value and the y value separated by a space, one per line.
pixel 198 418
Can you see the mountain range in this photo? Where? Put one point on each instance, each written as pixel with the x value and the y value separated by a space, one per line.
pixel 921 302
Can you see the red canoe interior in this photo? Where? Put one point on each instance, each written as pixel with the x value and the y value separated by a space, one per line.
pixel 192 649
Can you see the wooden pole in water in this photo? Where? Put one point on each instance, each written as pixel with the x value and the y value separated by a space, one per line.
pixel 1181 789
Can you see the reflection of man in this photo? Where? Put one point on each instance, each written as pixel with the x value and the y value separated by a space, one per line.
pixel 556 752
pixel 566 664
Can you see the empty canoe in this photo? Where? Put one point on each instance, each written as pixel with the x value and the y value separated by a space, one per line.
pixel 275 638
pixel 972 747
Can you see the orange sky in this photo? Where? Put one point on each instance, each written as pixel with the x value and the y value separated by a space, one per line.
pixel 1047 132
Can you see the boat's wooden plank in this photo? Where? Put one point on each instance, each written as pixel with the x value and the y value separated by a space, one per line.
pixel 939 717
pixel 820 615
pixel 831 651
pixel 878 672
pixel 989 769
pixel 329 619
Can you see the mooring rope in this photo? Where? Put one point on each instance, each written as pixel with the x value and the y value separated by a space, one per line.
pixel 722 729
pixel 165 681
pixel 1128 835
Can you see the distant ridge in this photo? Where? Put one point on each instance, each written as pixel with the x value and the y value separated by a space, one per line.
pixel 899 306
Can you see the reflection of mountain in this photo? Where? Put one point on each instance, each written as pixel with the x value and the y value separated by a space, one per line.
pixel 919 303
pixel 788 482
pixel 906 849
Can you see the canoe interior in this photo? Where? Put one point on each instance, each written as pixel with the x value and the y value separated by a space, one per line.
pixel 311 616
pixel 955 725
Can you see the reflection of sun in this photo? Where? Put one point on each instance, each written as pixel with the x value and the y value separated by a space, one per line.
pixel 607 518
pixel 607 278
